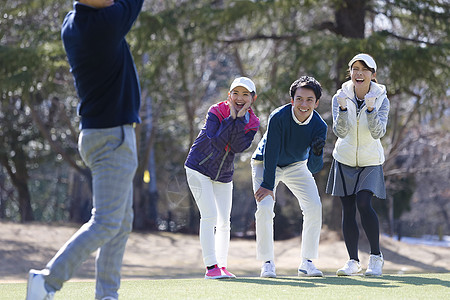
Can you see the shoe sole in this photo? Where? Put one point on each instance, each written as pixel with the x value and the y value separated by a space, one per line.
pixel 310 275
pixel 301 274
pixel 353 274
pixel 373 275
pixel 268 276
pixel 217 277
pixel 229 276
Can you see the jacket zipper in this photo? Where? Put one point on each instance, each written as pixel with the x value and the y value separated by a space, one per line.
pixel 357 139
pixel 357 132
pixel 221 163
pixel 205 159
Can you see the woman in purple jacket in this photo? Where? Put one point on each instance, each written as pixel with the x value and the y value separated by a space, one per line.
pixel 229 129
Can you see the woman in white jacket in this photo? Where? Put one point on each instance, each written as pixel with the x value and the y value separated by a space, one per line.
pixel 360 114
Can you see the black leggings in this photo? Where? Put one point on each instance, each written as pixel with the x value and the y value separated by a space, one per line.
pixel 369 221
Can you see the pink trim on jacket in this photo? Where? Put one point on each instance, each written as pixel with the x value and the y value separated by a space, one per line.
pixel 222 111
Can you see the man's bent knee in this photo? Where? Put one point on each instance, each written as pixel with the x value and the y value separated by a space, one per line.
pixel 265 208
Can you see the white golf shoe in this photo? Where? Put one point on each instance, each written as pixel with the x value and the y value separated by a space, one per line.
pixel 375 267
pixel 307 268
pixel 351 267
pixel 268 270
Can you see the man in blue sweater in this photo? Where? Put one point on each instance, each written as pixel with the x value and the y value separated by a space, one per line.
pixel 291 151
pixel 107 85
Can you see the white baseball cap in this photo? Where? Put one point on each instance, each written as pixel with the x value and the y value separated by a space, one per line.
pixel 245 82
pixel 370 62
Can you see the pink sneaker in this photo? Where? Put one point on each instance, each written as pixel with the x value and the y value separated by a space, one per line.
pixel 229 274
pixel 215 273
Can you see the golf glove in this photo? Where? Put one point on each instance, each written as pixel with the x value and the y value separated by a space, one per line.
pixel 342 100
pixel 369 99
pixel 317 146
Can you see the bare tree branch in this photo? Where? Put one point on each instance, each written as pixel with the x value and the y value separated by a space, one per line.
pixel 386 32
pixel 55 146
pixel 274 37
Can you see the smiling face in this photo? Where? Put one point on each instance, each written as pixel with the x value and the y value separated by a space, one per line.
pixel 361 76
pixel 239 96
pixel 304 103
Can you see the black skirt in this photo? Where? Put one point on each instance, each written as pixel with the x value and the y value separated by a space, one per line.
pixel 345 181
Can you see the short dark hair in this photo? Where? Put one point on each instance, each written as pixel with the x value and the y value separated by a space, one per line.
pixel 308 82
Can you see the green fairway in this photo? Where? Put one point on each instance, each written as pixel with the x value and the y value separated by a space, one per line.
pixel 411 286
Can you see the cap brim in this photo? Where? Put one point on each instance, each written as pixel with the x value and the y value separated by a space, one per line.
pixel 241 84
pixel 366 59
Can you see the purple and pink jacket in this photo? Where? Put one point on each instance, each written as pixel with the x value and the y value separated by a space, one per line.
pixel 213 151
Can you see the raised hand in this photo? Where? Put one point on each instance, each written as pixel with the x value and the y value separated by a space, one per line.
pixel 232 109
pixel 244 109
pixel 342 100
pixel 369 99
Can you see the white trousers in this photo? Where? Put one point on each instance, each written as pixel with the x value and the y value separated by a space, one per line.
pixel 301 183
pixel 213 199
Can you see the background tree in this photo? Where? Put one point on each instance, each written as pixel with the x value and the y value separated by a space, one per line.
pixel 279 37
pixel 187 53
pixel 30 62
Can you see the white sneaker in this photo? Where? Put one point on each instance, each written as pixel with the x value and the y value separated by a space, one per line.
pixel 351 267
pixel 307 268
pixel 36 286
pixel 375 266
pixel 268 270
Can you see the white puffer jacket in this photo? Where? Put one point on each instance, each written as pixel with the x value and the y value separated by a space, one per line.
pixel 359 131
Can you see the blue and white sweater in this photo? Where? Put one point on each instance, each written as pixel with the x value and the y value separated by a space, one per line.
pixel 286 142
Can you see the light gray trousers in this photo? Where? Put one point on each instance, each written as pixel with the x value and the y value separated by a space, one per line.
pixel 111 155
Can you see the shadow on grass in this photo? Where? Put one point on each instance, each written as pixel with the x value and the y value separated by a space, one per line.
pixel 417 280
pixel 386 281
pixel 408 261
pixel 273 281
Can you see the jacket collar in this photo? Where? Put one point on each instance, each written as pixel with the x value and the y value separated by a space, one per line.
pixel 376 88
pixel 297 121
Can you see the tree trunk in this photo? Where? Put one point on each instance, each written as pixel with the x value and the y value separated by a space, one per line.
pixel 146 193
pixel 26 213
pixel 350 15
pixel 140 197
pixel 2 198
pixel 19 179
pixel 80 193
pixel 153 195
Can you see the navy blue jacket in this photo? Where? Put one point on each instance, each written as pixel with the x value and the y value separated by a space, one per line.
pixel 213 152
pixel 101 63
pixel 286 142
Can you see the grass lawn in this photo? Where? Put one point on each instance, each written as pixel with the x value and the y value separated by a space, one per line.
pixel 407 286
